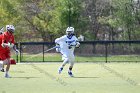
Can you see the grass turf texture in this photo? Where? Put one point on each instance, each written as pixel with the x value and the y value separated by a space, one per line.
pixel 89 78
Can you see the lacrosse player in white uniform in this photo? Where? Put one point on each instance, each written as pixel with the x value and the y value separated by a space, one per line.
pixel 67 44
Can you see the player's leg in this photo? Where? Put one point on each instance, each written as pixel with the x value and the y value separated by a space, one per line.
pixel 65 61
pixel 70 69
pixel 7 63
pixel 71 61
pixel 1 64
pixel 2 69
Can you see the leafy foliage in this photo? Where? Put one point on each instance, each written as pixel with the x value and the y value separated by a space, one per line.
pixel 45 20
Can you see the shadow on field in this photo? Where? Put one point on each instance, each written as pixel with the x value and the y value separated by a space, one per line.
pixel 82 77
pixel 17 71
pixel 85 77
pixel 25 77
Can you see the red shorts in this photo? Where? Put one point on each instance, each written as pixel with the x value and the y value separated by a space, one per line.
pixel 4 55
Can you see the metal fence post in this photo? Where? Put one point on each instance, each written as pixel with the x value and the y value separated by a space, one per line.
pixel 106 52
pixel 17 54
pixel 20 50
pixel 43 52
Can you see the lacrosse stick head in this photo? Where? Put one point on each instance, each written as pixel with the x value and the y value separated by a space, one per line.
pixel 1 30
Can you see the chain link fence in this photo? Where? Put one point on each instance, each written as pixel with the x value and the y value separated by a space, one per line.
pixel 89 51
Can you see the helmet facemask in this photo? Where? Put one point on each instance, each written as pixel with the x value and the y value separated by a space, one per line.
pixel 11 31
pixel 10 28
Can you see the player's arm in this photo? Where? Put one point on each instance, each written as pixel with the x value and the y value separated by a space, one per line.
pixel 58 42
pixel 16 50
pixel 75 43
pixel 14 46
pixel 61 39
pixel 58 48
pixel 5 44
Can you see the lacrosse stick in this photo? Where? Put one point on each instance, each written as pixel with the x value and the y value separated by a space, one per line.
pixel 52 48
pixel 1 30
pixel 44 52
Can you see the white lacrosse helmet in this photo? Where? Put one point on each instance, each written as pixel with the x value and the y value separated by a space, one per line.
pixel 10 28
pixel 69 30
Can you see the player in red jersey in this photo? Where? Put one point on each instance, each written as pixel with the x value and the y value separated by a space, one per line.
pixel 6 42
pixel 1 32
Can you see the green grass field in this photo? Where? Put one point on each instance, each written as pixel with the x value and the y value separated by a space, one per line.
pixel 89 78
pixel 57 57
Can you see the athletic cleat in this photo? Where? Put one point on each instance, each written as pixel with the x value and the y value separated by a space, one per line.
pixel 2 70
pixel 7 76
pixel 60 70
pixel 70 74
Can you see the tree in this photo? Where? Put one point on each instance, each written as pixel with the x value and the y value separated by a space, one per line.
pixel 71 14
pixel 9 15
pixel 41 17
pixel 125 16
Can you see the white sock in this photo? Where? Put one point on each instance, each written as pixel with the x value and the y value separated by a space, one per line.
pixel 1 63
pixel 6 72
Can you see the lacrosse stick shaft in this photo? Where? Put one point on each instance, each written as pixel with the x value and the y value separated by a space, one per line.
pixel 2 29
pixel 51 48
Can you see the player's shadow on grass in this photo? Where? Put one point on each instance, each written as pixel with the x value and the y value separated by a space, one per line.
pixel 26 77
pixel 84 77
pixel 17 71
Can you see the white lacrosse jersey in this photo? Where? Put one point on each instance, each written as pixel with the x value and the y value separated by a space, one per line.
pixel 64 43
